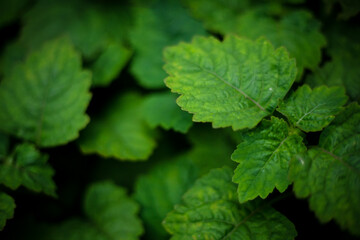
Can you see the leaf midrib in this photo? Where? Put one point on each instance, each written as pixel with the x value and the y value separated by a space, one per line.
pixel 43 106
pixel 340 160
pixel 309 112
pixel 229 84
pixel 235 88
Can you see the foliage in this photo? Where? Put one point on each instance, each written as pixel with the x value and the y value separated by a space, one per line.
pixel 210 210
pixel 242 80
pixel 44 99
pixel 330 172
pixel 190 119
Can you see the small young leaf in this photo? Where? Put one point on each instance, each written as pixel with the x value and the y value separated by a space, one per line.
pixel 235 83
pixel 160 109
pixel 264 157
pixel 162 24
pixel 330 173
pixel 312 110
pixel 7 206
pixel 109 64
pixel 120 132
pixel 160 189
pixel 44 99
pixel 210 210
pixel 27 166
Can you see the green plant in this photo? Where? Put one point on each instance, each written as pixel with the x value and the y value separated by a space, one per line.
pixel 215 117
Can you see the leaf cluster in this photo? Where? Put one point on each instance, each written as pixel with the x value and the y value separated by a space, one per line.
pixel 175 119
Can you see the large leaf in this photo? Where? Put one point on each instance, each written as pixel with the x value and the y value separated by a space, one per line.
pixel 162 24
pixel 27 166
pixel 160 189
pixel 312 110
pixel 235 83
pixel 296 30
pixel 210 210
pixel 329 174
pixel 7 206
pixel 110 213
pixel 264 157
pixel 120 131
pixel 44 99
pixel 160 109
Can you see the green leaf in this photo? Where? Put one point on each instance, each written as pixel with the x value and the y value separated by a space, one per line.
pixel 162 24
pixel 235 83
pixel 27 166
pixel 108 207
pixel 160 189
pixel 312 110
pixel 329 174
pixel 160 109
pixel 120 132
pixel 297 31
pixel 7 206
pixel 210 210
pixel 110 213
pixel 44 99
pixel 264 157
pixel 109 64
